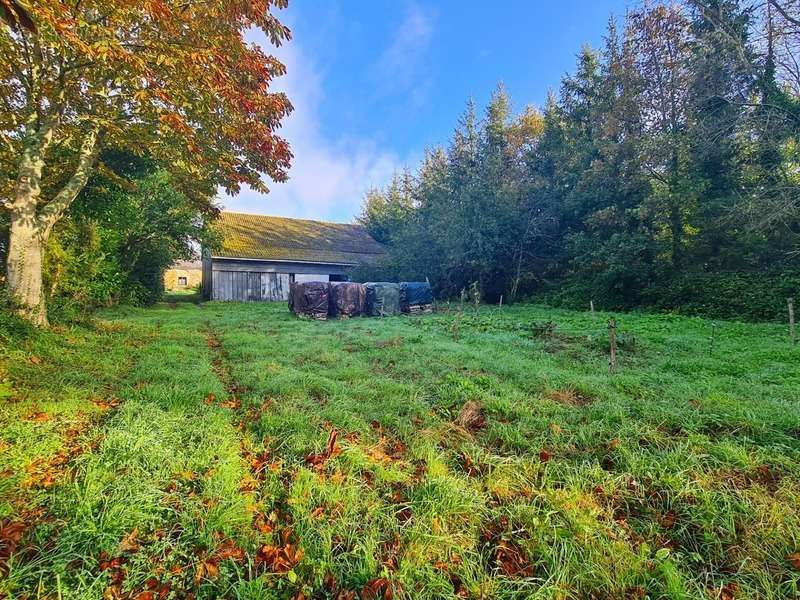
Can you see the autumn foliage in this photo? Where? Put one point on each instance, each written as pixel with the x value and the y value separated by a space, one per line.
pixel 174 80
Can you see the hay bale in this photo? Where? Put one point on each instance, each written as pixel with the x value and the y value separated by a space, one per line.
pixel 347 299
pixel 310 299
pixel 382 299
pixel 415 296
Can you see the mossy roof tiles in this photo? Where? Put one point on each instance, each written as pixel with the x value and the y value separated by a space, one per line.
pixel 280 238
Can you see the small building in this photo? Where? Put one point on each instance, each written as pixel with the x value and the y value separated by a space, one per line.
pixel 183 275
pixel 259 256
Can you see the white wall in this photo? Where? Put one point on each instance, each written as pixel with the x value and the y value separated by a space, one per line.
pixel 301 277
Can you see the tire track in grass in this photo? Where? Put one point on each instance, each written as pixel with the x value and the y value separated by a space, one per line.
pixel 281 552
pixel 152 512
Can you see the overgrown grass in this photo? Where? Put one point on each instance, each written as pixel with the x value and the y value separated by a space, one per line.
pixel 230 450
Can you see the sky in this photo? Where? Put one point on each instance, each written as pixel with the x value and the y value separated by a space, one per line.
pixel 373 84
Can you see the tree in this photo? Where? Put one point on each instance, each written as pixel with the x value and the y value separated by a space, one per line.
pixel 171 78
pixel 662 40
pixel 385 212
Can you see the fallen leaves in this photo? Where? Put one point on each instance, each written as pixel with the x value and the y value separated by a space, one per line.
pixel 468 464
pixel 511 561
pixel 332 450
pixel 728 591
pixel 106 403
pixel 232 402
pixel 10 535
pixel 205 569
pixel 129 543
pixel 379 588
pixel 794 560
pixel 279 559
pixel 38 417
pixel 508 557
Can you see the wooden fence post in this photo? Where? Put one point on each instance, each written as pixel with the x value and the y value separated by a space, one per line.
pixel 713 337
pixel 612 339
pixel 792 333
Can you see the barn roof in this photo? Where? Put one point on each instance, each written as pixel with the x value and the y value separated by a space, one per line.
pixel 280 238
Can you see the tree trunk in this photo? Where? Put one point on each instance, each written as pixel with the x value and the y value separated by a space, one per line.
pixel 676 231
pixel 31 226
pixel 24 268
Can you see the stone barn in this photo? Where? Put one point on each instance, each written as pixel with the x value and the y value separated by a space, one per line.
pixel 259 256
pixel 183 275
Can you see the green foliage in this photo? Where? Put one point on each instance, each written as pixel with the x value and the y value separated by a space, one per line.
pixel 119 237
pixel 645 175
pixel 724 295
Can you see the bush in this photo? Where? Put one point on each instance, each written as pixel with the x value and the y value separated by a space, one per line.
pixel 741 296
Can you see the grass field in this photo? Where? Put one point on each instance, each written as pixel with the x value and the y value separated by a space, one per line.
pixel 232 451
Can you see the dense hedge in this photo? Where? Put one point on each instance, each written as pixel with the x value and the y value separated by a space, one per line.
pixel 741 296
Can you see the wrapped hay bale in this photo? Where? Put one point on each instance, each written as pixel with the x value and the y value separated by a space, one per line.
pixel 416 297
pixel 310 299
pixel 383 299
pixel 347 299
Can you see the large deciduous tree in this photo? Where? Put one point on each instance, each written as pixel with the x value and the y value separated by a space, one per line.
pixel 174 79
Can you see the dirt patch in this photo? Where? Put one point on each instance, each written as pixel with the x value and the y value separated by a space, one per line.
pixel 472 417
pixel 390 343
pixel 570 396
pixel 763 475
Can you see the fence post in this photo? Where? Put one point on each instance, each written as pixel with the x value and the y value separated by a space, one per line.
pixel 713 337
pixel 591 307
pixel 792 333
pixel 612 339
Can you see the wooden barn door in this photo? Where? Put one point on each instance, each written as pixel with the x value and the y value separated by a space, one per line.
pixel 274 286
pixel 250 286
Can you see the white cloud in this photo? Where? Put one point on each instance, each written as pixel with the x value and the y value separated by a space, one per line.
pixel 328 177
pixel 397 68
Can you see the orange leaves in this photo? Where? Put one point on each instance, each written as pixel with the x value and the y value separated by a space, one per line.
pixel 794 560
pixel 379 588
pixel 116 572
pixel 232 402
pixel 129 543
pixel 38 416
pixel 468 464
pixel 228 550
pixel 10 536
pixel 283 558
pixel 107 403
pixel 248 484
pixel 264 523
pixel 511 561
pixel 509 558
pixel 207 565
pixel 332 450
pixel 728 591
pixel 205 569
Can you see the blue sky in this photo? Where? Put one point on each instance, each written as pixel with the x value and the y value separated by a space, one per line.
pixel 375 83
